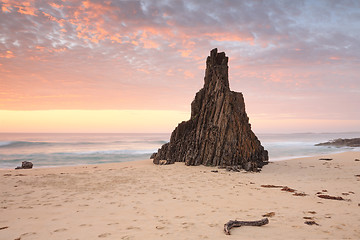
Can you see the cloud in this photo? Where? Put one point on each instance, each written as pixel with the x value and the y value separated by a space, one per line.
pixel 7 54
pixel 127 54
pixel 271 28
pixel 22 7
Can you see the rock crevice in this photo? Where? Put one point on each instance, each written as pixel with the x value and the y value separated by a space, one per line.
pixel 218 132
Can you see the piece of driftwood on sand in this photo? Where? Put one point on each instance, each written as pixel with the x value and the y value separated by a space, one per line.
pixel 234 223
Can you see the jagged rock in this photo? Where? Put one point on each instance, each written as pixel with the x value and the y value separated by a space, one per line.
pixel 25 165
pixel 340 142
pixel 234 168
pixel 153 156
pixel 218 132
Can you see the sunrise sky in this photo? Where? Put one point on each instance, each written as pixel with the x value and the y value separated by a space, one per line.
pixel 135 66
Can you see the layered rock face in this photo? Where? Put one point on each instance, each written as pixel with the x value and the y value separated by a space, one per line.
pixel 218 132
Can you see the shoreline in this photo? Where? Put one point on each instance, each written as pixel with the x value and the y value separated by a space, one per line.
pixel 140 200
pixel 73 166
pixel 289 158
pixel 53 150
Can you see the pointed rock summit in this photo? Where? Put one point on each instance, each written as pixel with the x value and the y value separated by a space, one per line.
pixel 218 132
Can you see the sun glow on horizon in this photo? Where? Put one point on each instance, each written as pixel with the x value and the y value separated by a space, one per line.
pixel 93 121
pixel 146 121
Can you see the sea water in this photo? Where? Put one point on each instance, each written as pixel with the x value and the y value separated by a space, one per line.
pixel 296 145
pixel 65 149
pixel 58 149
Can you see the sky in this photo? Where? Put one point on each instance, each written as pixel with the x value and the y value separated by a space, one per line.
pixel 135 66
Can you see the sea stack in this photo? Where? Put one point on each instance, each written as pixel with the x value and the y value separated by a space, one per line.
pixel 218 132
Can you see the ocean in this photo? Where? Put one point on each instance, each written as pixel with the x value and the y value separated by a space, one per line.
pixel 68 149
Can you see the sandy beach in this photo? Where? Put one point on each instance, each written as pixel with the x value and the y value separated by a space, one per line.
pixel 139 200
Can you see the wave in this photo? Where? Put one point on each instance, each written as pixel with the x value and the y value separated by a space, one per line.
pixel 22 144
pixel 4 143
pixel 74 149
pixel 8 161
pixel 14 144
pixel 109 152
pixel 155 142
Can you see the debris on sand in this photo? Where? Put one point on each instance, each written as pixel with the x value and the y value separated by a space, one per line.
pixel 311 223
pixel 331 197
pixel 270 214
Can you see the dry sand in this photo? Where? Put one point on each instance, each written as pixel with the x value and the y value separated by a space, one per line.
pixel 139 200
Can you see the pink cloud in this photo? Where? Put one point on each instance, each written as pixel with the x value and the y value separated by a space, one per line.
pixel 23 7
pixel 230 37
pixel 185 53
pixel 149 43
pixel 7 54
pixel 6 6
pixel 52 18
pixel 54 5
pixel 26 8
pixel 113 54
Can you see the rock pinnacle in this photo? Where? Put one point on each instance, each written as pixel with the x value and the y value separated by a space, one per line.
pixel 218 132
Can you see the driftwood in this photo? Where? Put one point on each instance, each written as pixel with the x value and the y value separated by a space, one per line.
pixel 311 223
pixel 300 194
pixel 287 189
pixel 272 186
pixel 230 224
pixel 331 197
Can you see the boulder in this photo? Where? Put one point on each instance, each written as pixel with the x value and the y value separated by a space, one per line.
pixel 25 165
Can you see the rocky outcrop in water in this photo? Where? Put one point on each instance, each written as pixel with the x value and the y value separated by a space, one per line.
pixel 341 142
pixel 218 132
